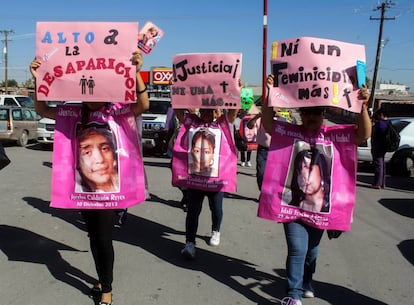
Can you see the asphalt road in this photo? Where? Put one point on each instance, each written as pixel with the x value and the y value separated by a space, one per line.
pixel 45 257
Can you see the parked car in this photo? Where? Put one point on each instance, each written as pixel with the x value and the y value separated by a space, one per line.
pixel 46 127
pixel 18 124
pixel 16 100
pixel 46 131
pixel 154 129
pixel 401 161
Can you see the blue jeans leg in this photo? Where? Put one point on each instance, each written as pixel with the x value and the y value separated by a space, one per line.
pixel 261 158
pixel 379 171
pixel 215 201
pixel 303 247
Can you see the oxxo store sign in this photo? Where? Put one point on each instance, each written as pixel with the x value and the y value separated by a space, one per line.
pixel 161 76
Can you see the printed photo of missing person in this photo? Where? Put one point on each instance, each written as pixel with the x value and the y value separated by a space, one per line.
pixel 148 37
pixel 308 183
pixel 96 159
pixel 250 135
pixel 204 151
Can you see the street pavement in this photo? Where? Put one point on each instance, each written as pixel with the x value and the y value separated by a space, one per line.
pixel 45 257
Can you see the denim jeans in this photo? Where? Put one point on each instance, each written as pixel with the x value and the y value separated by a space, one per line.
pixel 379 170
pixel 303 246
pixel 195 202
pixel 261 158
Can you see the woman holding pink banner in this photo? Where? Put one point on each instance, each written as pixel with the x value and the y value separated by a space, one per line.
pixel 97 165
pixel 204 156
pixel 309 176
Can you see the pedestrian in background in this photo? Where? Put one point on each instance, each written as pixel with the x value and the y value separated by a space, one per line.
pixel 378 147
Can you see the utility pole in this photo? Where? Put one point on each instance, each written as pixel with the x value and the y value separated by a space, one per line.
pixel 264 87
pixel 6 40
pixel 384 6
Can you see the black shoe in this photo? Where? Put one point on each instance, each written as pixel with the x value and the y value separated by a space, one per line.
pixel 183 204
pixel 95 293
pixel 122 217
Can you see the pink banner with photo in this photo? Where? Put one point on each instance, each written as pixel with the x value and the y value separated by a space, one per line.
pixel 249 134
pixel 97 165
pixel 86 61
pixel 204 156
pixel 310 178
pixel 312 71
pixel 149 37
pixel 206 80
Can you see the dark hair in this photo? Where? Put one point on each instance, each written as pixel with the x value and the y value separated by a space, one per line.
pixel 379 112
pixel 82 133
pixel 317 158
pixel 204 133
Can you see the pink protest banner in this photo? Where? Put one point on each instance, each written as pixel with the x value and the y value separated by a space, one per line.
pixel 315 72
pixel 86 61
pixel 310 177
pixel 97 165
pixel 204 156
pixel 208 80
pixel 249 134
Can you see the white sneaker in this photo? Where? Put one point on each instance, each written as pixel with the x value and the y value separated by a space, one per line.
pixel 243 164
pixel 215 238
pixel 189 250
pixel 249 164
pixel 308 291
pixel 308 294
pixel 290 301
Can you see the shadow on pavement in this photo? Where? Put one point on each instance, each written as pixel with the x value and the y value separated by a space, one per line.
pixel 404 207
pixel 239 275
pixel 337 295
pixel 21 245
pixel 406 248
pixel 394 182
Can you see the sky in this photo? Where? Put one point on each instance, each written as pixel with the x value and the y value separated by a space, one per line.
pixel 197 26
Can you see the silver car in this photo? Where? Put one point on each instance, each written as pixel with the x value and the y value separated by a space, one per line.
pixel 18 124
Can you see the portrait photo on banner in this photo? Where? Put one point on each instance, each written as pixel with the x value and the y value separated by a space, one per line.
pixel 97 161
pixel 311 71
pixel 86 61
pixel 148 37
pixel 206 80
pixel 308 181
pixel 204 151
pixel 249 134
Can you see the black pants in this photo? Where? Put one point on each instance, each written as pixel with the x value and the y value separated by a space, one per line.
pixel 245 156
pixel 100 225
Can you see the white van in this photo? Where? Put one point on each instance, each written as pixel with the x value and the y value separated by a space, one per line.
pixel 16 101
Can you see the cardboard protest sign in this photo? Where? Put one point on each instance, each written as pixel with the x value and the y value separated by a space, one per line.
pixel 204 156
pixel 97 165
pixel 208 80
pixel 315 72
pixel 86 61
pixel 148 37
pixel 308 179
